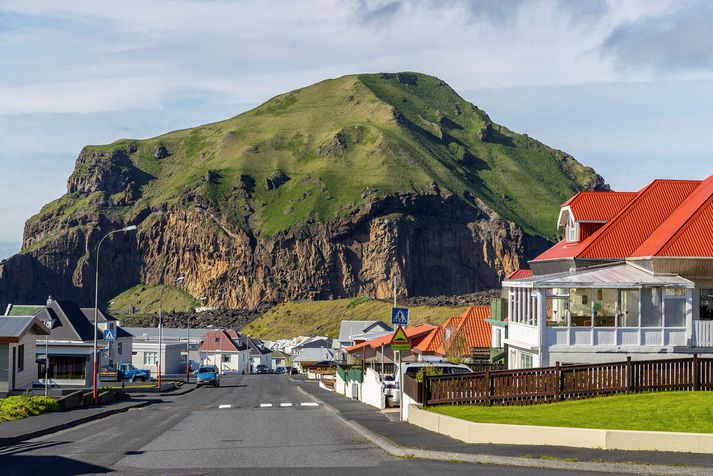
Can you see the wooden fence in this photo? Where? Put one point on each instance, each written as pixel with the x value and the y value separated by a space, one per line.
pixel 568 382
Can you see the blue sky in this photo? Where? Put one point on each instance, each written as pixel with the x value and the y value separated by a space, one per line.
pixel 624 86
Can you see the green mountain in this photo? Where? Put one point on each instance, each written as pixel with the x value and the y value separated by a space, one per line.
pixel 341 153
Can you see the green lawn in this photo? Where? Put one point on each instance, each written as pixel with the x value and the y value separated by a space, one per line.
pixel 669 411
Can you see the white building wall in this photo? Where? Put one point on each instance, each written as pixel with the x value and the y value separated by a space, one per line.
pixel 24 378
pixel 371 390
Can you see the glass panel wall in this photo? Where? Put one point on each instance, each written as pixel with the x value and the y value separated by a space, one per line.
pixel 674 307
pixel 67 367
pixel 604 307
pixel 651 307
pixel 706 304
pixel 628 308
pixel 556 309
pixel 580 307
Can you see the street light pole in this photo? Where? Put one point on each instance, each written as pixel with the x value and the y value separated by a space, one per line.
pixel 188 343
pixel 160 329
pixel 96 309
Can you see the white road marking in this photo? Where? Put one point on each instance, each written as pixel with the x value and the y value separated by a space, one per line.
pixel 285 404
pixel 265 405
pixel 224 406
pixel 309 404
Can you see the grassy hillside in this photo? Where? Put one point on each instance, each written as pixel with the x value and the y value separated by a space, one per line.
pixel 324 317
pixel 145 300
pixel 320 151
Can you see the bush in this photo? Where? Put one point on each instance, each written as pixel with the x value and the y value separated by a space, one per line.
pixel 21 406
pixel 428 371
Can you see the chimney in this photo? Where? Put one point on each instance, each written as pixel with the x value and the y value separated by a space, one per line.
pixel 49 299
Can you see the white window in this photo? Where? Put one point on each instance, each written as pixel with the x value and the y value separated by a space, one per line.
pixel 150 358
pixel 524 360
pixel 674 307
pixel 572 232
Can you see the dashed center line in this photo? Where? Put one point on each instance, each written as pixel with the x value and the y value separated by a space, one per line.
pixel 224 406
pixel 265 405
pixel 309 404
pixel 285 404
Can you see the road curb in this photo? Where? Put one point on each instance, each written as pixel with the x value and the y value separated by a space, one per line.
pixel 72 423
pixel 601 467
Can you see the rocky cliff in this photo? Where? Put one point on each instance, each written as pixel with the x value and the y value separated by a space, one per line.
pixel 422 188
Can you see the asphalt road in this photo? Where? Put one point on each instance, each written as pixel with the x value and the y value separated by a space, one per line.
pixel 259 424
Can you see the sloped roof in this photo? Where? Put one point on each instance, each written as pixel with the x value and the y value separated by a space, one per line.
pixel 13 328
pixel 432 343
pixel 519 273
pixel 22 310
pixel 217 341
pixel 598 206
pixel 452 322
pixel 688 231
pixel 105 317
pixel 474 327
pixel 411 332
pixel 347 329
pixel 631 226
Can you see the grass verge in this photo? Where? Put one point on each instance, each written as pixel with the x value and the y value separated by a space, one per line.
pixel 21 406
pixel 690 412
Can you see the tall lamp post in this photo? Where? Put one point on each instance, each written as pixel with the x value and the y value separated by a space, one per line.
pixel 188 343
pixel 160 329
pixel 96 308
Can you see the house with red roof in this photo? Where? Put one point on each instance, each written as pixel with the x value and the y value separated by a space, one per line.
pixel 633 276
pixel 226 349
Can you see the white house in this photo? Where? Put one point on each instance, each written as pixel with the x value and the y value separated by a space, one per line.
pixel 18 366
pixel 632 277
pixel 225 349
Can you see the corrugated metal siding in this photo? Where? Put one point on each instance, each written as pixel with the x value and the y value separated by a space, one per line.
pixel 628 230
pixel 599 206
pixel 588 229
pixel 478 332
pixel 696 238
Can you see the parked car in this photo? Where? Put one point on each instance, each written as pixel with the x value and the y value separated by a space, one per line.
pixel 208 375
pixel 281 370
pixel 126 372
pixel 294 370
pixel 390 388
pixel 412 368
pixel 261 369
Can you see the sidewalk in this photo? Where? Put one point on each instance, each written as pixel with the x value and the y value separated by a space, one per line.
pixel 410 436
pixel 46 423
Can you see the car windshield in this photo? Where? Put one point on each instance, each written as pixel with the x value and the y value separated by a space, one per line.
pixel 130 367
pixel 206 370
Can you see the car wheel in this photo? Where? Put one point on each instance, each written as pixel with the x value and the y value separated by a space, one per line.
pixel 139 379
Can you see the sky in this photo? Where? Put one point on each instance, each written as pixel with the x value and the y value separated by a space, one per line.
pixel 624 86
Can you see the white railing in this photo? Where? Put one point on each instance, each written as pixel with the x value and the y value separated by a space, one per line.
pixel 703 333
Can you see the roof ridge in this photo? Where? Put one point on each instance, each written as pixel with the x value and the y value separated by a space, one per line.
pixel 682 228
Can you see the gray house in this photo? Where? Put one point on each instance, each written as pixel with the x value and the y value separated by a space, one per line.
pixel 18 366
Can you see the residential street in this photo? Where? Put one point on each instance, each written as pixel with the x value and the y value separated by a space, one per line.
pixel 192 434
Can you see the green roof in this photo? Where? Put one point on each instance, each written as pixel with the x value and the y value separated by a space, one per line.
pixel 23 310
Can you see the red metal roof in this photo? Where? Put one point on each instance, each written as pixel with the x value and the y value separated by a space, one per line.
pixel 634 224
pixel 598 206
pixel 688 231
pixel 411 332
pixel 519 274
pixel 432 343
pixel 475 328
pixel 215 341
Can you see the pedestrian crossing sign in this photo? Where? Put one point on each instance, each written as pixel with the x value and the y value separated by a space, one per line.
pixel 109 334
pixel 399 316
pixel 399 341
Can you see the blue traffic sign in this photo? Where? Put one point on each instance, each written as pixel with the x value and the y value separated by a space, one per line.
pixel 109 334
pixel 399 316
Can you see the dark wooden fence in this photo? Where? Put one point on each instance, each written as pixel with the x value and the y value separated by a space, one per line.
pixel 567 382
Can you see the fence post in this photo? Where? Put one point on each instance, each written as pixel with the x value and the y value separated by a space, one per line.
pixel 558 383
pixel 629 375
pixel 696 375
pixel 487 387
pixel 425 390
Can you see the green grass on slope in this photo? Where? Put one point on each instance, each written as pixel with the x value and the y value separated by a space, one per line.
pixel 666 411
pixel 324 317
pixel 332 142
pixel 145 300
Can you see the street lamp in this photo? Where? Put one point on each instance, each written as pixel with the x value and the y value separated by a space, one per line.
pixel 96 307
pixel 188 343
pixel 160 329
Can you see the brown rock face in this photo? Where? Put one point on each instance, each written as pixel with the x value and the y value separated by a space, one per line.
pixel 432 244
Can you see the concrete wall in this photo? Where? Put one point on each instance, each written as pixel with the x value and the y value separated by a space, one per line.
pixel 371 391
pixel 171 361
pixel 24 378
pixel 556 436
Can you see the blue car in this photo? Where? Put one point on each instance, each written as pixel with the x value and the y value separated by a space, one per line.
pixel 208 375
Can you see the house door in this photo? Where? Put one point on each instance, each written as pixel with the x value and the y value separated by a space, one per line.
pixel 14 367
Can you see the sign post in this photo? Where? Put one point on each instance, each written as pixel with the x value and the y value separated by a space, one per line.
pixel 399 342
